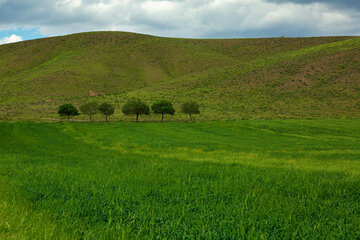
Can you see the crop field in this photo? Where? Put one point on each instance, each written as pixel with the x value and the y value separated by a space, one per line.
pixel 250 179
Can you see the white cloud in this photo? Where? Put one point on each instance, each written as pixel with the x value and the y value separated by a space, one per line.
pixel 13 38
pixel 184 18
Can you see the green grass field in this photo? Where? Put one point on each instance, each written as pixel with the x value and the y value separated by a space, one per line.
pixel 274 179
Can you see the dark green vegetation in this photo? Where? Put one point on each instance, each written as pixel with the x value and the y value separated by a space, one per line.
pixel 288 179
pixel 163 107
pixel 67 110
pixel 107 109
pixel 190 107
pixel 232 79
pixel 136 106
pixel 90 109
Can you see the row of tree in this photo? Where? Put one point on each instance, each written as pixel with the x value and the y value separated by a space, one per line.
pixel 133 106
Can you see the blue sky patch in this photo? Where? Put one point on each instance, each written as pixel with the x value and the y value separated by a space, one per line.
pixel 24 33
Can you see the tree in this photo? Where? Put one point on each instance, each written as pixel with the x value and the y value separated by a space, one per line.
pixel 163 107
pixel 68 110
pixel 190 107
pixel 90 109
pixel 106 109
pixel 137 107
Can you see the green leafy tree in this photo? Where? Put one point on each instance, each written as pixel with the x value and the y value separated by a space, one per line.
pixel 106 109
pixel 89 109
pixel 137 107
pixel 68 110
pixel 190 107
pixel 163 107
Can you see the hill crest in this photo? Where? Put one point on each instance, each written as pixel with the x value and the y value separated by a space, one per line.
pixel 230 78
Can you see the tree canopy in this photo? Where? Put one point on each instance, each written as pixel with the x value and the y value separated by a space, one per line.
pixel 163 107
pixel 190 107
pixel 68 110
pixel 106 109
pixel 136 106
pixel 89 109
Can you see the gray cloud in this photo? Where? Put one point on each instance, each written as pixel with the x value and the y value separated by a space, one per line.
pixel 185 18
pixel 350 4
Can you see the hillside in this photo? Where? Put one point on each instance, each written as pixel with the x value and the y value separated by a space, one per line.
pixel 231 78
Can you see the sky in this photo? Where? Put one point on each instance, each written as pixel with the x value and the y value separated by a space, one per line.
pixel 31 19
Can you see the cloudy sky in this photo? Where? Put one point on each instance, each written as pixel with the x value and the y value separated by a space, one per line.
pixel 29 19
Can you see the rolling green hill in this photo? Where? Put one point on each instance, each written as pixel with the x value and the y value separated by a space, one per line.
pixel 231 78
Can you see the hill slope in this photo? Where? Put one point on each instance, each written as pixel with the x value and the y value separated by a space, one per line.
pixel 231 78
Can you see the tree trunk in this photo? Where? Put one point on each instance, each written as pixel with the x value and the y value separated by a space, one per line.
pixel 162 117
pixel 137 117
pixel 90 118
pixel 106 117
pixel 190 116
pixel 68 117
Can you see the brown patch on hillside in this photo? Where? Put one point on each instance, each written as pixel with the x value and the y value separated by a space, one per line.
pixel 341 69
pixel 323 77
pixel 94 94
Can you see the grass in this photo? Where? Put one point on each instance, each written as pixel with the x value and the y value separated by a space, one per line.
pixel 274 179
pixel 231 78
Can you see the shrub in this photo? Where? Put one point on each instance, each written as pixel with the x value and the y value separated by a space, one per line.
pixel 190 107
pixel 106 109
pixel 137 107
pixel 68 110
pixel 89 109
pixel 163 107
